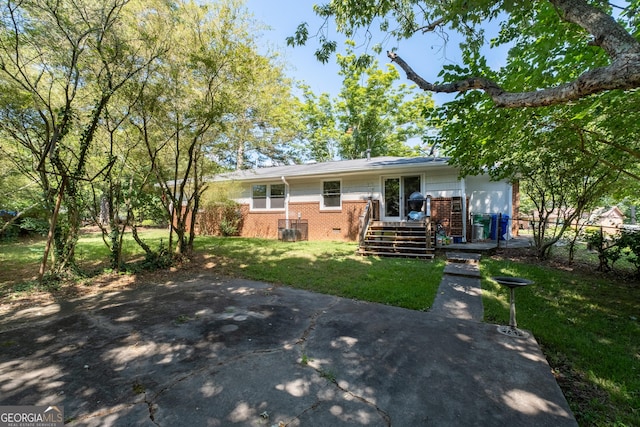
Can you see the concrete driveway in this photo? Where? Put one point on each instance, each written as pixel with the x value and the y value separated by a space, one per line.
pixel 220 352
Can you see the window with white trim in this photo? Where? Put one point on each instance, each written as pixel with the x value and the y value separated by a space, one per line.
pixel 276 196
pixel 268 196
pixel 331 194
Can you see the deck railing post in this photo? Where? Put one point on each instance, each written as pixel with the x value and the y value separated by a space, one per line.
pixel 364 224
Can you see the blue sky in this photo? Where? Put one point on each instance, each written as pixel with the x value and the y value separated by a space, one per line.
pixel 425 53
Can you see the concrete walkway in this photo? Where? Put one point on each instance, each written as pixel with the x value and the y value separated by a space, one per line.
pixel 214 351
pixel 459 295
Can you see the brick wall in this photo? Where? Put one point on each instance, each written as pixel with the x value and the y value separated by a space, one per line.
pixel 342 224
pixel 441 212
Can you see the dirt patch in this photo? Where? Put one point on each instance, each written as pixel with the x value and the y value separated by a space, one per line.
pixel 28 293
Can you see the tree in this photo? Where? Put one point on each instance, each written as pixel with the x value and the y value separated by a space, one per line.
pixel 569 26
pixel 561 190
pixel 126 188
pixel 62 62
pixel 259 126
pixel 18 200
pixel 211 103
pixel 320 127
pixel 180 105
pixel 569 127
pixel 372 113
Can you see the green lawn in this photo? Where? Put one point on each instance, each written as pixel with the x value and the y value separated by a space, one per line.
pixel 589 329
pixel 587 323
pixel 331 268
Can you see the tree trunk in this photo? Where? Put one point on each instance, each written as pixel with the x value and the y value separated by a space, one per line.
pixel 52 229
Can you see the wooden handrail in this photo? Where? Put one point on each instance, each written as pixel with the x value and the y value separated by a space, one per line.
pixel 366 220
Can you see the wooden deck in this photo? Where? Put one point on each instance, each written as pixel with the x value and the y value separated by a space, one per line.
pixel 415 240
pixel 398 239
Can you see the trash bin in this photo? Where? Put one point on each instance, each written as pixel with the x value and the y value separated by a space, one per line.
pixel 504 227
pixel 494 226
pixel 478 232
pixel 503 222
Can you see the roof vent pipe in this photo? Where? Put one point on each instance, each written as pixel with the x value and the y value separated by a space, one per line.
pixel 368 154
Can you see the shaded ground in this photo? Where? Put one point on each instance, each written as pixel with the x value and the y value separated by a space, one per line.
pixel 574 385
pixel 107 282
pixel 206 350
pixel 581 391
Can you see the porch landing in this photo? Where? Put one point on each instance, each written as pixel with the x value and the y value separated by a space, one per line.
pixel 486 246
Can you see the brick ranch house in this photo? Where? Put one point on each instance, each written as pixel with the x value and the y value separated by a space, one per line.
pixel 331 198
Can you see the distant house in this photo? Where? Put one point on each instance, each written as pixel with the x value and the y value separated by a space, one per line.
pixel 331 198
pixel 610 219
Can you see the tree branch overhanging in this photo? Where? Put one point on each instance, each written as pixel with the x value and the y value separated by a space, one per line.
pixel 623 72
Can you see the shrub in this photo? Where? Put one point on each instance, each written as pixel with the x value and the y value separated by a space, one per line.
pixel 158 260
pixel 221 219
pixel 607 248
pixel 32 225
pixel 629 244
pixel 611 249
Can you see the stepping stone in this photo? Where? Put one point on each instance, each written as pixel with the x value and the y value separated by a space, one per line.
pixel 462 269
pixel 462 257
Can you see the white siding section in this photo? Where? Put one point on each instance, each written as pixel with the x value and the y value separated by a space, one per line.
pixel 306 190
pixel 443 185
pixel 360 187
pixel 353 188
pixel 486 196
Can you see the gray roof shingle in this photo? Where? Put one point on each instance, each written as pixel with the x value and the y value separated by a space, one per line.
pixel 332 168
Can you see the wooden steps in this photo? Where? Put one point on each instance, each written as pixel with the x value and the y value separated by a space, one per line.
pixel 397 239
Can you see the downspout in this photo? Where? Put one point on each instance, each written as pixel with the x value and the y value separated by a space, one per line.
pixel 463 190
pixel 286 202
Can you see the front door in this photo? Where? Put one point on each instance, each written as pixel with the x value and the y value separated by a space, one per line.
pixel 396 196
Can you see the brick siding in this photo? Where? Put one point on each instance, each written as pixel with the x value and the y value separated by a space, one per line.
pixel 342 224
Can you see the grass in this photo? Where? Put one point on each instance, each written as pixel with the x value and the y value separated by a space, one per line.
pixel 326 267
pixel 330 268
pixel 20 259
pixel 587 323
pixel 589 330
